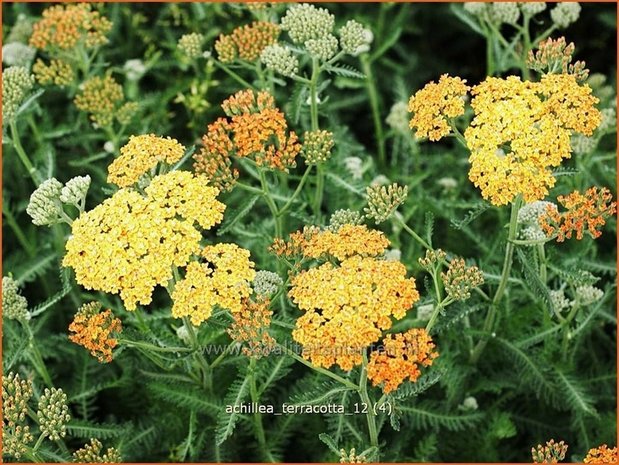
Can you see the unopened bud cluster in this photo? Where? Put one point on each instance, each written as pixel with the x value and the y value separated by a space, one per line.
pixel 432 258
pixel 14 305
pixel 53 414
pixel 45 206
pixel 266 283
pixel 91 453
pixel 351 457
pixel 552 452
pixel 16 393
pixel 555 56
pixel 344 216
pixel 383 201
pixel 354 38
pixel 459 279
pixel 280 60
pixel 17 83
pixel 191 44
pixel 317 146
pixel 565 13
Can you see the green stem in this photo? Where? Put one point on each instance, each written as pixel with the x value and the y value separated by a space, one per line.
pixel 413 234
pixel 19 234
pixel 436 312
pixel 271 204
pixel 566 330
pixel 315 126
pixel 259 429
pixel 233 75
pixel 375 105
pixel 21 153
pixel 320 370
pixel 38 443
pixel 207 379
pixel 490 53
pixel 527 46
pixel 507 266
pixel 543 272
pixel 36 357
pixel 363 393
pixel 296 193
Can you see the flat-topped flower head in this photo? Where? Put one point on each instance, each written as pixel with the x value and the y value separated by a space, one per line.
pixel 280 59
pixel 602 454
pixel 347 307
pixel 266 283
pixel 354 38
pixel 585 213
pixel 66 26
pixel 58 73
pixel 400 358
pixel 565 13
pixel 222 279
pixel 95 330
pixel 140 155
pixel 317 146
pixel 17 54
pixel 343 217
pixel 434 105
pixel 246 42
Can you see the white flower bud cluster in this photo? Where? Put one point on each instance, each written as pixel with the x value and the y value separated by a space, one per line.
pixel 191 44
pixel 46 202
pixel 17 54
pixel 323 48
pixel 528 218
pixel 17 83
pixel 341 217
pixel 398 118
pixel 565 13
pixel 505 12
pixel 280 60
pixel 354 38
pixel 267 283
pixel 559 301
pixel 304 22
pixel 14 305
pixel 532 8
pixel 582 145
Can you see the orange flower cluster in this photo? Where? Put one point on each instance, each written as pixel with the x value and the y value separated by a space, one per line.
pixel 65 26
pixel 93 329
pixel 602 454
pixel 400 358
pixel 250 328
pixel 255 128
pixel 586 212
pixel 349 240
pixel 246 42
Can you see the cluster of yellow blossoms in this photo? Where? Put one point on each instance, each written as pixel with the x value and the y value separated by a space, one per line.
pixel 435 104
pixel 104 100
pixel 602 454
pixel 140 155
pixel 347 306
pixel 255 128
pixel 246 42
pixel 250 328
pixel 585 212
pixel 94 330
pixel 130 242
pixel 222 280
pixel 400 358
pixel 521 129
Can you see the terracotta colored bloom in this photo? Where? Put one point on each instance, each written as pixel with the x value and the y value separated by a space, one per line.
pixel 585 213
pixel 400 358
pixel 140 155
pixel 602 454
pixel 223 280
pixel 435 104
pixel 246 42
pixel 64 26
pixel 555 56
pixel 129 243
pixel 255 128
pixel 94 330
pixel 348 306
pixel 552 452
pixel 521 130
pixel 250 328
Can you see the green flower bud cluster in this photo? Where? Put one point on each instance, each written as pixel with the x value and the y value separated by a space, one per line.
pixel 323 48
pixel 280 60
pixel 432 258
pixel 17 54
pixel 609 119
pixel 559 301
pixel 383 201
pixel 459 279
pixel 267 283
pixel 398 118
pixel 16 393
pixel 191 44
pixel 479 9
pixel 505 12
pixel 45 206
pixel 17 83
pixel 532 8
pixel 317 146
pixel 91 453
pixel 354 38
pixel 304 22
pixel 582 145
pixel 342 217
pixel 14 305
pixel 15 441
pixel 565 13
pixel 351 457
pixel 53 414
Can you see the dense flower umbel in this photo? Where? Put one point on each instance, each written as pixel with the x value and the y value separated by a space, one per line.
pixel 223 280
pixel 91 453
pixel 191 44
pixel 53 414
pixel 266 283
pixel 16 393
pixel 552 452
pixel 348 306
pixel 255 128
pixel 94 330
pixel 100 97
pixel 250 328
pixel 434 105
pixel 280 59
pixel 305 22
pixel 66 26
pixel 602 454
pixel 246 42
pixel 521 130
pixel 585 212
pixel 57 72
pixel 317 146
pixel 130 242
pixel 459 279
pixel 14 305
pixel 343 217
pixel 16 86
pixel 140 155
pixel 400 358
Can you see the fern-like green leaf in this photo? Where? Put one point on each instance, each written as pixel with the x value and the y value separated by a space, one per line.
pixel 431 415
pixel 226 422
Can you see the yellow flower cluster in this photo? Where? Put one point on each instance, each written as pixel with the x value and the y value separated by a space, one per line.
pixel 223 280
pixel 246 42
pixel 602 454
pixel 435 104
pixel 255 128
pixel 400 357
pixel 58 72
pixel 250 328
pixel 348 306
pixel 66 26
pixel 521 130
pixel 93 329
pixel 129 243
pixel 103 99
pixel 140 155
pixel 349 240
